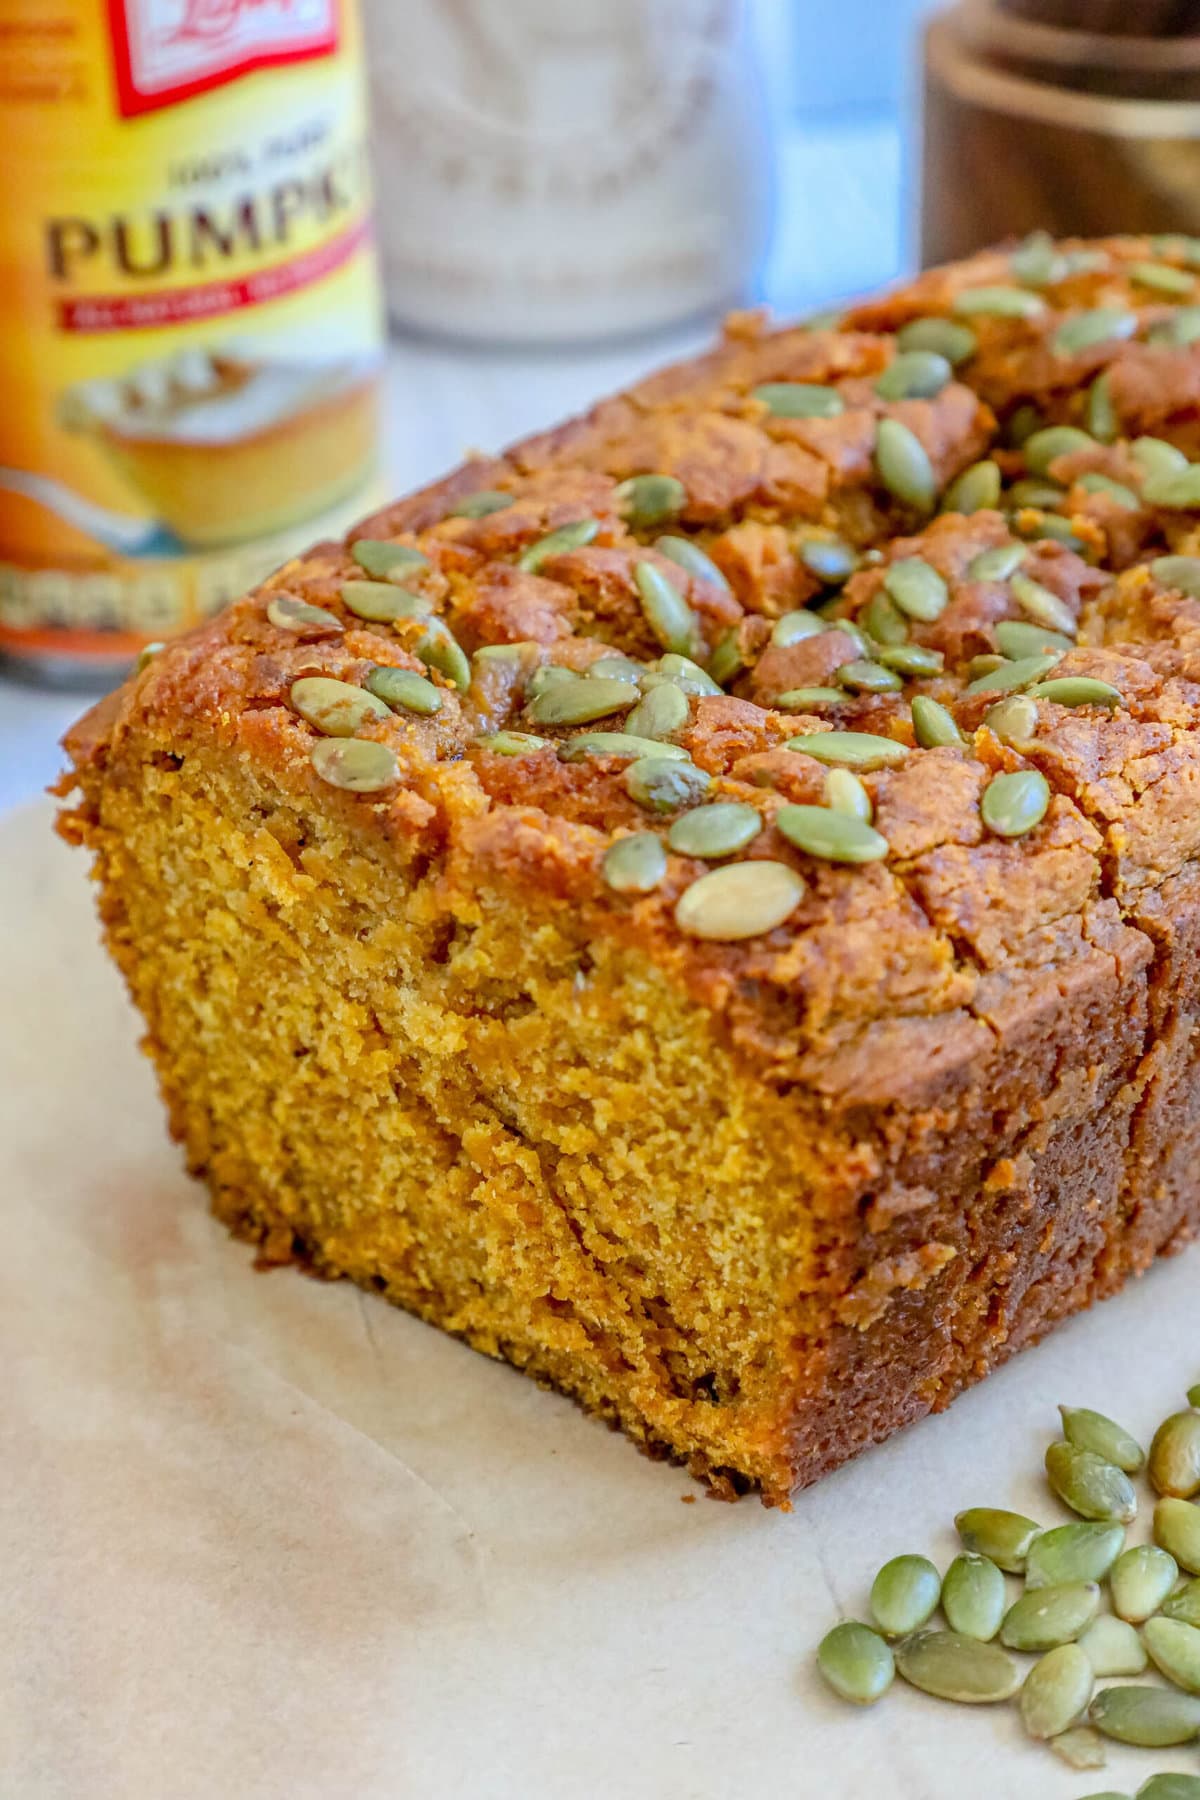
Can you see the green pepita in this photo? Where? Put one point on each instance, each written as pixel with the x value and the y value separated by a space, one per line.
pixel 689 557
pixel 1181 329
pixel 1170 1786
pixel 1174 1650
pixel 864 676
pixel 1177 1529
pixel 635 864
pixel 337 708
pixel 917 588
pixel 1077 690
pixel 1053 441
pixel 1035 261
pixel 945 336
pixel 385 560
pixel 1182 573
pixel 973 1596
pixel 1013 805
pixel 741 900
pixel 1089 1430
pixel 383 602
pixel 1155 456
pixel 799 400
pixel 903 466
pixel 1151 1717
pixel 912 659
pixel 804 699
pixel 1003 1537
pixel 1141 1579
pixel 1035 492
pixel 1113 1646
pixel 1057 531
pixel 933 723
pixel 1076 1552
pixel 481 504
pixel 998 303
pixel 1176 493
pixel 1082 1748
pixel 856 1662
pixel 1021 424
pixel 660 713
pixel 1161 278
pixel 547 676
pixel 558 543
pixel 953 1667
pixel 726 660
pixel 845 793
pixel 1042 605
pixel 666 612
pixel 831 560
pixel 621 744
pixel 1019 638
pixel 1093 482
pixel 1184 1604
pixel 834 837
pixel 1090 1486
pixel 1013 721
pixel 914 375
pixel 287 613
pixel 720 829
pixel 688 674
pixel 405 691
pixel 793 627
pixel 998 563
pixel 664 783
pixel 512 743
pixel 1011 677
pixel 579 702
pixel 882 620
pixel 646 500
pixel 1174 1461
pixel 1099 325
pixel 1101 414
pixel 616 668
pixel 357 765
pixel 1056 1691
pixel 854 749
pixel 441 650
pixel 1048 1616
pixel 977 489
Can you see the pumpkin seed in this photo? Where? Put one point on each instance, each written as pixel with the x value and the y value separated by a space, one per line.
pixel 1184 1605
pixel 148 652
pixel 621 744
pixel 646 500
pixel 666 611
pixel 1175 243
pixel 660 713
pixel 1113 1647
pixel 404 690
pixel 1048 1616
pixel 845 793
pixel 1077 690
pixel 1087 1483
pixel 1093 482
pixel 1151 1717
pixel 793 627
pixel 382 602
pixel 1042 605
pixel 799 400
pixel 855 749
pixel 805 698
pixel 831 560
pixel 1013 805
pixel 1035 261
pixel 1089 1430
pixel 1193 1395
pixel 689 557
pixel 441 650
pixel 1013 721
pixel 615 668
pixel 834 837
pixel 1162 278
pixel 1053 441
pixel 984 665
pixel 512 743
pixel 1083 1748
pixel 719 829
pixel 1022 424
pixel 856 1662
pixel 945 336
pixel 912 659
pixel 1181 329
pixel 1057 530
pixel 973 1596
pixel 996 564
pixel 1155 456
pixel 1077 1552
pixel 578 702
pixel 1170 1786
pixel 1018 638
pixel 287 613
pixel 1003 1537
pixel 1140 1581
pixel 481 504
pixel 977 489
pixel 998 303
pixel 557 543
pixel 726 660
pixel 863 676
pixel 742 900
pixel 858 638
pixel 903 466
pixel 1177 1529
pixel 914 375
pixel 337 708
pixel 1179 572
pixel 688 674
pixel 1101 414
pixel 917 588
pixel 882 621
pixel 548 676
pixel 1177 493
pixel 906 1591
pixel 1174 1461
pixel 1056 1691
pixel 1036 493
pixel 385 560
pixel 1010 677
pixel 1175 1651
pixel 664 784
pixel 1099 325
pixel 635 864
pixel 515 652
pixel 933 724
pixel 358 765
pixel 953 1667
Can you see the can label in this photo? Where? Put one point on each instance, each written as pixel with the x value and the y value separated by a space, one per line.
pixel 192 339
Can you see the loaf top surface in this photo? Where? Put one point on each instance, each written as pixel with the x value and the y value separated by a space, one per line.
pixel 911 596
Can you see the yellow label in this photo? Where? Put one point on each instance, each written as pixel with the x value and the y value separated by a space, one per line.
pixel 190 326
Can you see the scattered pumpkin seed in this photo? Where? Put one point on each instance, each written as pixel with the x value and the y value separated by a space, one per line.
pixel 1185 1604
pixel 1053 441
pixel 858 638
pixel 914 375
pixel 481 504
pixel 1181 573
pixel 665 783
pixel 382 602
pixel 1087 1483
pixel 558 543
pixel 1076 1552
pixel 1174 1461
pixel 1176 243
pixel 287 613
pixel 1099 325
pixel 834 837
pixel 1140 1581
pixel 616 668
pixel 1155 456
pixel 1013 805
pixel 666 611
pixel 799 400
pixel 579 702
pixel 793 627
pixel 1013 721
pixel 1151 1717
pixel 1031 492
pixel 1170 1786
pixel 1174 1649
pixel 1035 261
pixel 856 1662
pixel 1056 1691
pixel 1113 1647
pixel 1177 1529
pixel 912 659
pixel 404 690
pixel 1089 1430
pixel 646 500
pixel 1193 1395
pixel 635 864
pixel 720 829
pixel 803 699
pixel 903 466
pixel 1042 605
pixel 1003 1537
pixel 1100 412
pixel 1045 1617
pixel 741 900
pixel 1018 638
pixel 337 708
pixel 441 650
pixel 515 652
pixel 917 589
pixel 689 557
pixel 996 564
pixel 845 793
pixel 1058 531
pixel 1082 1748
pixel 864 676
pixel 951 1666
pixel 933 724
pixel 984 665
pixel 945 336
pixel 1077 690
pixel 1093 482
pixel 977 489
pixel 386 560
pixel 997 302
pixel 660 713
pixel 148 652
pixel 1177 493
pixel 1021 424
pixel 512 743
pixel 726 660
pixel 973 1596
pixel 855 749
pixel 547 676
pixel 1010 677
pixel 621 744
pixel 882 621
pixel 1181 329
pixel 831 560
pixel 688 674
pixel 358 765
pixel 1162 278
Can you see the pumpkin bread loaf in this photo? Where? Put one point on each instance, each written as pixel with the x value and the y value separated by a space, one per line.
pixel 706 904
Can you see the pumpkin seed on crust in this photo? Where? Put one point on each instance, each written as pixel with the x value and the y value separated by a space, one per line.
pixel 741 900
pixel 336 708
pixel 558 543
pixel 720 828
pixel 635 864
pixel 1013 805
pixel 357 765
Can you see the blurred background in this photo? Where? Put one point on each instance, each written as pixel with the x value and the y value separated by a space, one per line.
pixel 567 192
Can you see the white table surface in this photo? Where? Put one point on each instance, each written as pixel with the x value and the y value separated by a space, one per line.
pixel 839 232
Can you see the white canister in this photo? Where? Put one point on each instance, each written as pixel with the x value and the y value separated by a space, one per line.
pixel 563 170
